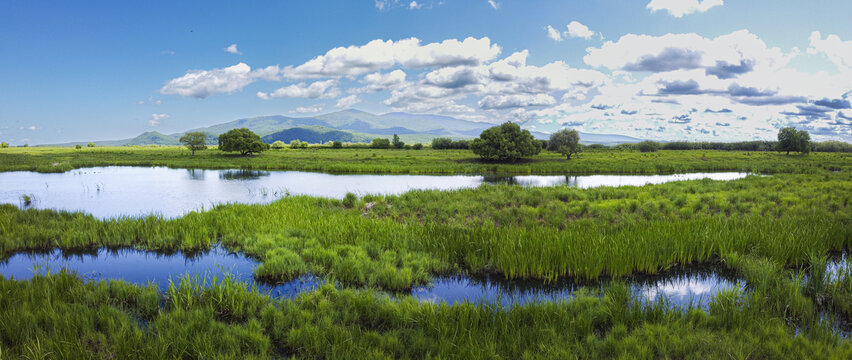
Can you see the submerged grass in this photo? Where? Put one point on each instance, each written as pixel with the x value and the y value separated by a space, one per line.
pixel 61 316
pixel 58 159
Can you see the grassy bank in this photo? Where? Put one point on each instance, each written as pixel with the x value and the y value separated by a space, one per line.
pixel 58 159
pixel 543 233
pixel 61 316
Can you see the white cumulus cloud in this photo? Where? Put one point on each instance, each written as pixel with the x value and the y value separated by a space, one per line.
pixel 679 8
pixel 317 90
pixel 156 119
pixel 308 109
pixel 203 83
pixel 232 49
pixel 348 101
pixel 553 34
pixel 380 54
pixel 578 30
pixel 838 51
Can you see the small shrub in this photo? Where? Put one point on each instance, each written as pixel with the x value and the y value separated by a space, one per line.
pixel 417 146
pixel 380 143
pixel 78 146
pixel 91 145
pixel 349 200
pixel 5 145
pixel 648 146
pixel 336 145
pixel 278 145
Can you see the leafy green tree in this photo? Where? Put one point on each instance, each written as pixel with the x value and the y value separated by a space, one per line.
pixel 442 143
pixel 791 140
pixel 78 146
pixel 90 145
pixel 396 142
pixel 417 146
pixel 194 141
pixel 295 144
pixel 278 145
pixel 241 140
pixel 303 145
pixel 648 146
pixel 506 142
pixel 336 144
pixel 380 143
pixel 565 142
pixel 4 145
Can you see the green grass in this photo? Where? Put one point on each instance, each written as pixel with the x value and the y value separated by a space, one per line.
pixel 775 231
pixel 62 316
pixel 58 159
pixel 544 233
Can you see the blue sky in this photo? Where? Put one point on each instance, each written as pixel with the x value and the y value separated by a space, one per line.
pixel 660 69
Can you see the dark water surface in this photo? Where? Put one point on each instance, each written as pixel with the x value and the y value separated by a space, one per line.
pixel 694 286
pixel 109 192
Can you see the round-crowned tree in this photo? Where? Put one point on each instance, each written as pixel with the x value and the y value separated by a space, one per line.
pixel 241 140
pixel 506 142
pixel 194 141
pixel 791 140
pixel 565 142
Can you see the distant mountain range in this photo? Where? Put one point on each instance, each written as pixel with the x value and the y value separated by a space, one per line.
pixel 349 126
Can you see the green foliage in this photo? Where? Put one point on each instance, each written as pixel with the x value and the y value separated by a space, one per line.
pixel 565 142
pixel 336 145
pixel 791 140
pixel 447 143
pixel 648 146
pixel 355 159
pixel 78 146
pixel 396 142
pixel 64 316
pixel 90 145
pixel 278 145
pixel 349 200
pixel 417 146
pixel 241 140
pixel 194 141
pixel 4 145
pixel 296 144
pixel 506 142
pixel 380 143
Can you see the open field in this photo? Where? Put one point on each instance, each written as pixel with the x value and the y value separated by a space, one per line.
pixel 426 161
pixel 775 231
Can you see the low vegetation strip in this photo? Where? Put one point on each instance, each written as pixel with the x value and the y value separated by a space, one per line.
pixel 426 161
pixel 62 316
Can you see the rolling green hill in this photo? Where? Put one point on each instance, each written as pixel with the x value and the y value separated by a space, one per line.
pixel 315 134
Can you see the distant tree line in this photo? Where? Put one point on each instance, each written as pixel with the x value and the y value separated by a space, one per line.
pixel 445 143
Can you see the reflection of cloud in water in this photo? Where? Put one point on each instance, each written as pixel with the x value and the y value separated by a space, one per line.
pixel 539 181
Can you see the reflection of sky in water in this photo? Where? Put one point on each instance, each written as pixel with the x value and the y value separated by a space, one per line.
pixel 140 267
pixel 679 289
pixel 107 192
pixel 682 290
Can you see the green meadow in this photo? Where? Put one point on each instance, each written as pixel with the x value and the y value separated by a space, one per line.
pixel 777 229
pixel 425 161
